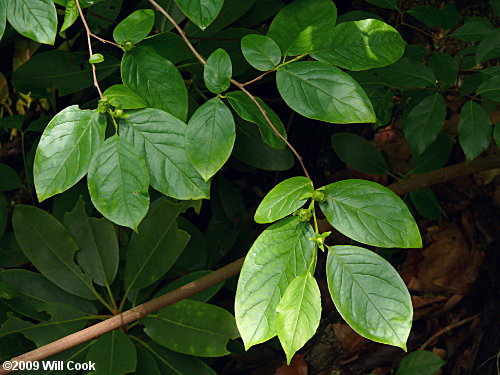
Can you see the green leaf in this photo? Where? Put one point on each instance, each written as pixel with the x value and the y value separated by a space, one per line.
pixel 369 294
pixel 201 12
pixel 249 111
pixel 157 245
pixel 113 354
pixel 202 296
pixel 323 92
pixel 426 203
pixel 370 213
pixel 359 153
pixel 420 362
pixel 496 134
pixel 361 45
pixel 98 241
pixel 70 16
pixel 135 27
pixel 260 51
pixel 303 26
pixel 146 363
pixel 473 31
pixel 474 130
pixel 121 96
pixel 298 314
pixel 193 328
pixel 65 150
pixel 156 80
pixel 424 122
pixel 51 249
pixel 96 58
pixel 433 16
pixel 210 137
pixel 172 363
pixel 445 68
pixel 405 74
pixel 34 19
pixel 489 48
pixel 160 137
pixel 218 71
pixel 11 255
pixel 282 252
pixel 436 155
pixel 118 182
pixel 387 4
pixel 3 17
pixel 168 45
pixel 283 199
pixel 490 89
pixel 9 179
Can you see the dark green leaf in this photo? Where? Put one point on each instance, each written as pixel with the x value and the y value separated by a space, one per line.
pixel 146 363
pixel 283 199
pixel 51 249
pixel 160 137
pixel 490 89
pixel 168 45
pixel 426 203
pixel 359 153
pixel 282 252
pixel 12 122
pixel 113 354
pixel 445 68
pixel 489 48
pixel 260 11
pixel 369 294
pixel 34 19
pixel 260 51
pixel 432 16
pixel 118 182
pixel 303 26
pixel 156 80
pixel 474 130
pixel 201 12
pixel 473 31
pixel 361 45
pixel 405 74
pixel 11 254
pixel 172 363
pixel 388 4
pixel 218 71
pixel 420 363
pixel 121 96
pixel 202 296
pixel 370 213
pixel 9 179
pixel 496 134
pixel 135 27
pixel 357 15
pixel 323 92
pixel 424 122
pixel 436 155
pixel 210 137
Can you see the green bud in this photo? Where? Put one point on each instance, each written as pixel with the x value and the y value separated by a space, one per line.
pixel 127 46
pixel 303 214
pixel 319 196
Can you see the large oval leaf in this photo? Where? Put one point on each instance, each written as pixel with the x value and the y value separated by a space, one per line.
pixel 34 19
pixel 217 71
pixel 210 137
pixel 260 51
pixel 118 182
pixel 201 12
pixel 370 213
pixel 369 294
pixel 282 252
pixel 323 92
pixel 361 45
pixel 67 145
pixel 474 130
pixel 135 27
pixel 113 354
pixel 160 137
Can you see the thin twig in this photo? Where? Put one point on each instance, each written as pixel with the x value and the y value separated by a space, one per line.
pixel 105 40
pixel 445 330
pixel 257 78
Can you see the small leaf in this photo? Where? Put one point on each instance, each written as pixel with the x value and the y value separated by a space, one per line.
pixel 260 51
pixel 369 294
pixel 420 362
pixel 201 12
pixel 424 122
pixel 359 153
pixel 370 213
pixel 282 252
pixel 118 182
pixel 283 199
pixel 34 19
pixel 426 203
pixel 445 18
pixel 474 130
pixel 311 88
pixel 121 96
pixel 113 354
pixel 218 71
pixel 473 31
pixel 387 4
pixel 436 155
pixel 445 68
pixel 70 16
pixel 65 150
pixel 96 58
pixel 10 179
pixel 210 137
pixel 298 314
pixel 135 27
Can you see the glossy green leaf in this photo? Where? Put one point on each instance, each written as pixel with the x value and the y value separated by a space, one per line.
pixel 201 12
pixel 445 68
pixel 218 71
pixel 474 130
pixel 34 19
pixel 9 179
pixel 436 155
pixel 157 245
pixel 426 203
pixel 192 327
pixel 121 96
pixel 118 182
pixel 135 27
pixel 370 213
pixel 160 137
pixel 249 111
pixel 113 353
pixel 424 122
pixel 51 249
pixel 490 89
pixel 202 296
pixel 445 17
pixel 96 58
pixel 172 363
pixel 98 242
pixel 65 150
pixel 359 153
pixel 489 48
pixel 3 17
pixel 387 4
pixel 298 314
pixel 420 362
pixel 473 31
pixel 156 80
pixel 323 92
pixel 360 45
pixel 369 294
pixel 283 199
pixel 210 137
pixel 260 51
pixel 70 16
pixel 282 252
pixel 303 26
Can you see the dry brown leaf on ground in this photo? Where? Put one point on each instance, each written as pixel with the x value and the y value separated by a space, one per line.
pixel 352 343
pixel 298 366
